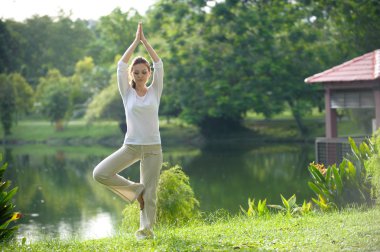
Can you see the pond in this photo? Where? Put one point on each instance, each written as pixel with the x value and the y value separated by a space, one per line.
pixel 59 198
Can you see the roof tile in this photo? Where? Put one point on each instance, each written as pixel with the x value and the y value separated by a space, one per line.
pixel 365 67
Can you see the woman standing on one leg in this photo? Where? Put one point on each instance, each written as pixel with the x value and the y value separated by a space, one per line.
pixel 142 141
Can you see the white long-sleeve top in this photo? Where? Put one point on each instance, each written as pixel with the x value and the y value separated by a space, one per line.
pixel 141 112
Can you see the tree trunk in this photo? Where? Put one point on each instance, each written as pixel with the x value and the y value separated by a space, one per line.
pixel 302 129
pixel 59 125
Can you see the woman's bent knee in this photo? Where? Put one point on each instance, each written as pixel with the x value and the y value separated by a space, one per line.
pixel 99 176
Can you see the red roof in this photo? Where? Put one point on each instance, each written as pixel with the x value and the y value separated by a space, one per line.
pixel 365 67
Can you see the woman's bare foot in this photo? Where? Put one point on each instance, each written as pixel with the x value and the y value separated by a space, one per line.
pixel 140 199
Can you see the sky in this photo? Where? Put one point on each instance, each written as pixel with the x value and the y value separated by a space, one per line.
pixel 20 10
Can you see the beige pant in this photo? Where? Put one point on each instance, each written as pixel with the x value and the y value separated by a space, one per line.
pixel 150 156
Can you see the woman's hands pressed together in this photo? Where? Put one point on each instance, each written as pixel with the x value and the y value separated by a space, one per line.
pixel 137 38
pixel 140 37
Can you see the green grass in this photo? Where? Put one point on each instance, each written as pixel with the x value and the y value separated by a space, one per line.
pixel 37 130
pixel 283 126
pixel 353 229
pixel 75 152
pixel 43 130
pixel 173 133
pixel 286 114
pixel 100 132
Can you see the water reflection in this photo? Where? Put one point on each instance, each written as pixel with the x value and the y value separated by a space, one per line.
pixel 59 198
pixel 226 176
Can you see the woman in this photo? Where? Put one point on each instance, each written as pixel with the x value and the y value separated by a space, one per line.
pixel 142 141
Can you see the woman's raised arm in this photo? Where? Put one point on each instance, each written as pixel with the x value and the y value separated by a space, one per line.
pixel 149 48
pixel 128 53
pixel 122 70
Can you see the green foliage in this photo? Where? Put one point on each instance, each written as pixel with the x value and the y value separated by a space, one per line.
pixel 16 98
pixel 23 93
pixel 176 203
pixel 81 80
pixel 290 207
pixel 131 218
pixel 372 165
pixel 348 183
pixel 43 43
pixel 237 57
pixel 253 210
pixel 360 154
pixel 56 103
pixel 6 206
pixel 354 22
pixel 113 33
pixel 53 97
pixel 361 118
pixel 306 207
pixel 244 55
pixel 233 57
pixel 88 80
pixel 106 104
pixel 7 64
pixel 337 231
pixel 7 103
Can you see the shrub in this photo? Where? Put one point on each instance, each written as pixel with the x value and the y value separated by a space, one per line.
pixel 176 202
pixel 348 183
pixel 131 218
pixel 373 167
pixel 6 207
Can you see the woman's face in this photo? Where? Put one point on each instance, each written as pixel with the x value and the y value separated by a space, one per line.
pixel 140 73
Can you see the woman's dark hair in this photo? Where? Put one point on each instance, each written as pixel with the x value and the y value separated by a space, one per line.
pixel 135 61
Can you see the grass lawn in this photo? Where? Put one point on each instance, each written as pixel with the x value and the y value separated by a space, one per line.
pixel 101 132
pixel 37 130
pixel 78 132
pixel 353 229
pixel 107 133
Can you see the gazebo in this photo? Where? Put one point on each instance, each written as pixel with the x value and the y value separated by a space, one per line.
pixel 353 84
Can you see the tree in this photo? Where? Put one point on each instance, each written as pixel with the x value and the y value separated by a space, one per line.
pixel 53 97
pixel 7 49
pixel 236 57
pixel 87 81
pixel 44 43
pixel 113 33
pixel 16 98
pixel 352 24
pixel 24 94
pixel 107 104
pixel 295 47
pixel 7 103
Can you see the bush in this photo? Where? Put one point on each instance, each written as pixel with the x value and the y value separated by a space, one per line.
pixel 373 167
pixel 176 202
pixel 131 218
pixel 6 207
pixel 347 183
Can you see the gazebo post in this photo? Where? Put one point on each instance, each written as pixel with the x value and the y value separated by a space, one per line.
pixel 376 93
pixel 331 124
